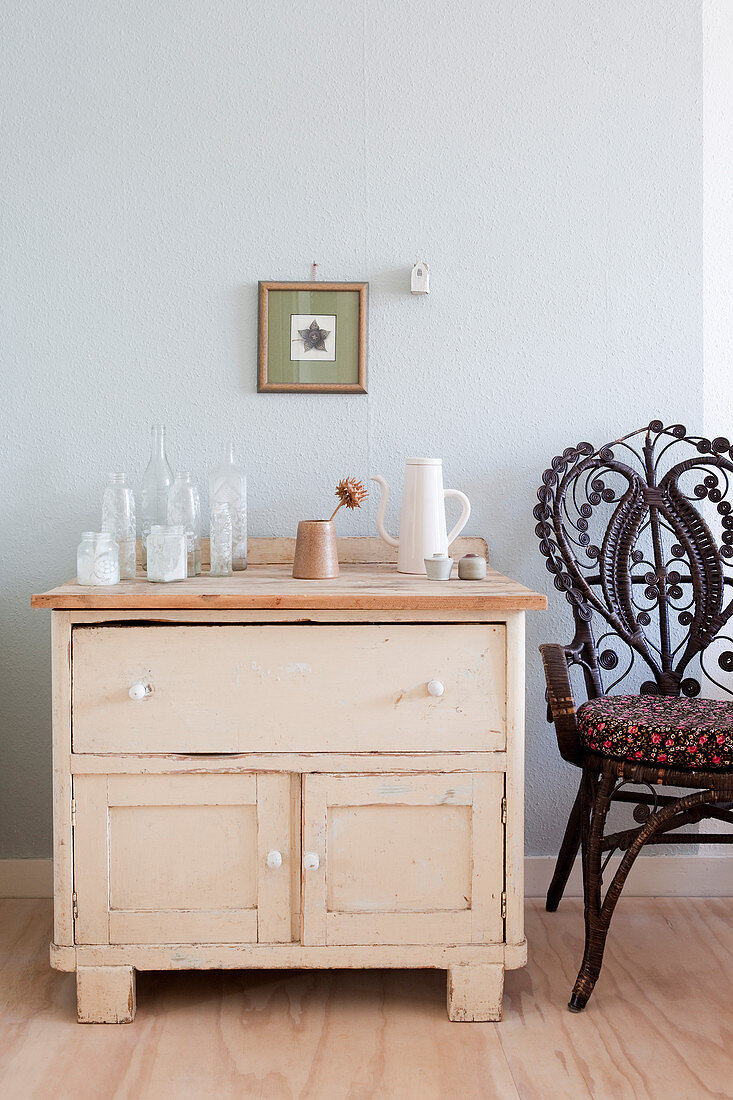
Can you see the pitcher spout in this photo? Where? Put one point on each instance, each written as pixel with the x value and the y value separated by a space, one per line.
pixel 381 511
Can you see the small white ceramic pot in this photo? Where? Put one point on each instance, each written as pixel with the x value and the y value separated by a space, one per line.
pixel 472 567
pixel 438 567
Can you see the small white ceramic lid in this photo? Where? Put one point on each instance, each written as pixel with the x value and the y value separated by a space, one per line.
pixel 424 461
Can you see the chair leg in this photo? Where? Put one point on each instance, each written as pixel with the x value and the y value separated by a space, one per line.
pixel 596 800
pixel 568 852
pixel 598 913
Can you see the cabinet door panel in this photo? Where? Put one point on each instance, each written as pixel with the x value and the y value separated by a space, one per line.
pixel 403 859
pixel 181 858
pixel 372 872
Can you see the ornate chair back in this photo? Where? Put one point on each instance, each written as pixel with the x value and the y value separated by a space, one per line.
pixel 639 536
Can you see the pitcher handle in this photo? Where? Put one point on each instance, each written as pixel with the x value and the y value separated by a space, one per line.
pixel 464 514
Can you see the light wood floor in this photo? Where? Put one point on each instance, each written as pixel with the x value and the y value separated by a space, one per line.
pixel 384 1034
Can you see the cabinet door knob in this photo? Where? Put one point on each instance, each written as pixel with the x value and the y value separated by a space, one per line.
pixel 435 688
pixel 140 690
pixel 274 859
pixel 311 862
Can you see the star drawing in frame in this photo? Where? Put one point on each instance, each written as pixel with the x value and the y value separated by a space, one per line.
pixel 314 337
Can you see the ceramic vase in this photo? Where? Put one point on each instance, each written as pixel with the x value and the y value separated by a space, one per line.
pixel 316 555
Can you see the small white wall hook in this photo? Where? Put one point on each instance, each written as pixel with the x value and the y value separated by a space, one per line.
pixel 420 280
pixel 314 271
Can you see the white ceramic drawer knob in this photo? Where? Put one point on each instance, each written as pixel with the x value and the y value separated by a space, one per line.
pixel 274 860
pixel 311 862
pixel 140 690
pixel 435 688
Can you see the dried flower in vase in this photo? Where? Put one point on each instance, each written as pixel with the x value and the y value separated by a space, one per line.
pixel 350 493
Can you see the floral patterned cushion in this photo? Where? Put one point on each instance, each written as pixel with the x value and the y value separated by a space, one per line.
pixel 660 729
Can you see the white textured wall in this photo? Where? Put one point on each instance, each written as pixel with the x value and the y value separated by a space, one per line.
pixel 717 213
pixel 717 235
pixel 543 155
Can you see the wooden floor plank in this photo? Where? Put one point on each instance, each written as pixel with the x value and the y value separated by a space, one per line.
pixel 660 1022
pixel 648 1032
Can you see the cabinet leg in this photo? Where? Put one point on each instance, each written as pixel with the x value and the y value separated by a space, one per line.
pixel 475 992
pixel 105 994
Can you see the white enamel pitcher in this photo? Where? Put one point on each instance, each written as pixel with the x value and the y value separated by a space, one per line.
pixel 422 523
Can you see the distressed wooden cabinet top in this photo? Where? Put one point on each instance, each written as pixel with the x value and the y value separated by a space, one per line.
pixel 368 581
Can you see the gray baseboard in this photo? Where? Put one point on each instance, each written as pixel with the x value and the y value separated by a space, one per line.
pixel 651 876
pixel 26 878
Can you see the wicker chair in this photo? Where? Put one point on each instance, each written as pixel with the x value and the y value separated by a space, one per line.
pixel 648 576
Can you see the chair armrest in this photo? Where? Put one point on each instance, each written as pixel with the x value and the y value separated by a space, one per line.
pixel 561 701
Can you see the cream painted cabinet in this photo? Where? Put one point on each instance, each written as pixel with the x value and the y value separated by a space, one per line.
pixel 261 772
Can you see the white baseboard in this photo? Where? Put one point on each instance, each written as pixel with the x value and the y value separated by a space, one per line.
pixel 26 878
pixel 651 876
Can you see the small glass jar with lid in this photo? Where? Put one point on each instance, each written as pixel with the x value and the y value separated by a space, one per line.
pixel 167 553
pixel 97 559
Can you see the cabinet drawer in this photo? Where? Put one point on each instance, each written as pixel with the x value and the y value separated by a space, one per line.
pixel 289 688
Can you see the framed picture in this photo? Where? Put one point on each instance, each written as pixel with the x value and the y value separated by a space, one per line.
pixel 312 338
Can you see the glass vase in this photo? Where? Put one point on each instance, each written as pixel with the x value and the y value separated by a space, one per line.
pixel 118 519
pixel 157 479
pixel 184 508
pixel 220 542
pixel 228 485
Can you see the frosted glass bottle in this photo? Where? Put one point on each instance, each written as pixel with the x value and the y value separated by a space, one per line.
pixel 118 519
pixel 228 485
pixel 157 479
pixel 221 541
pixel 184 508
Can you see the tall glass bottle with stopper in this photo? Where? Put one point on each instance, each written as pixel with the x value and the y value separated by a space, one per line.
pixel 228 485
pixel 184 508
pixel 157 480
pixel 118 519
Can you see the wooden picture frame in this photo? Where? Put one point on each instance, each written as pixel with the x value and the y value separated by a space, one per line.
pixel 312 337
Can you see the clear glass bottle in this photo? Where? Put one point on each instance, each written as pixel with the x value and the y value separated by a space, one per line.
pixel 228 485
pixel 118 519
pixel 184 507
pixel 157 479
pixel 167 553
pixel 221 540
pixel 97 559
